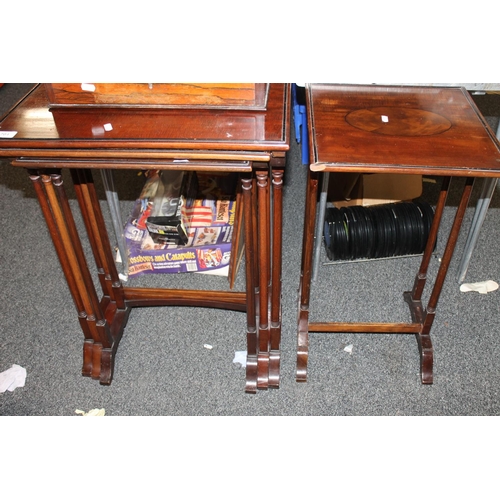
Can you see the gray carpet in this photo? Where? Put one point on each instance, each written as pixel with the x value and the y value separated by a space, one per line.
pixel 162 367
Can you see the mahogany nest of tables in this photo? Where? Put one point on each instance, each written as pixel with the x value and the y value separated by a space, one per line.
pixel 252 141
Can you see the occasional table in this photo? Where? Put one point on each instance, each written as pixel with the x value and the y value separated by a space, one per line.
pixel 393 129
pixel 253 142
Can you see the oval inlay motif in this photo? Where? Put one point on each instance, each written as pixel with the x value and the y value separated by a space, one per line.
pixel 409 122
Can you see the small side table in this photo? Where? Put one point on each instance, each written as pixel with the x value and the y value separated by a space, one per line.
pixel 393 129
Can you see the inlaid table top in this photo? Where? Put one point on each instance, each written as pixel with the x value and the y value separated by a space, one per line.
pixel 399 129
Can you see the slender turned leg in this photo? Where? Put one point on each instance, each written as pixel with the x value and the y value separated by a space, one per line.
pixel 98 236
pixel 277 217
pixel 414 299
pixel 251 369
pixel 113 302
pixel 264 279
pixel 421 278
pixel 426 317
pixel 68 247
pixel 305 277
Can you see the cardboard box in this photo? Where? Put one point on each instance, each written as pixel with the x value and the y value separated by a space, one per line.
pixel 346 189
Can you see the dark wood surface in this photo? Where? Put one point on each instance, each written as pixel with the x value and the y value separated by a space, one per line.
pixel 251 142
pixel 154 132
pixel 408 130
pixel 426 130
pixel 220 95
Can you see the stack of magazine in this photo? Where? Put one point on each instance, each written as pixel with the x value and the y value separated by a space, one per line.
pixel 182 222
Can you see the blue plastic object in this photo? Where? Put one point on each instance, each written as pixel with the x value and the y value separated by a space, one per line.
pixel 300 121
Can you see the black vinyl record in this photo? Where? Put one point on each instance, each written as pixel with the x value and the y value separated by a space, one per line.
pixel 357 238
pixel 370 233
pixel 399 227
pixel 418 234
pixel 327 232
pixel 407 224
pixel 427 217
pixel 380 231
pixel 366 236
pixel 390 231
pixel 349 229
pixel 340 241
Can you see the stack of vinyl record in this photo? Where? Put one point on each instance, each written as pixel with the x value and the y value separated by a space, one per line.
pixel 379 231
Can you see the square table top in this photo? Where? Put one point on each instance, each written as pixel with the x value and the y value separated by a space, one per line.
pixel 399 129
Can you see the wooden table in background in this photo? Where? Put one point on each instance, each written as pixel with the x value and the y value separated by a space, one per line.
pixel 254 143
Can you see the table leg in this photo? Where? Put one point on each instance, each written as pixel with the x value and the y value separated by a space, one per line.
pixel 264 278
pixel 250 270
pixel 421 278
pixel 426 316
pixel 51 195
pixel 276 257
pixel 305 277
pixel 113 301
pixel 98 235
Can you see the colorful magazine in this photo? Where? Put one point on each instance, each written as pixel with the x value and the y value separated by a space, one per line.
pixel 207 218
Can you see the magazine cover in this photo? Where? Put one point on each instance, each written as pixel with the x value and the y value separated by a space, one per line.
pixel 205 214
